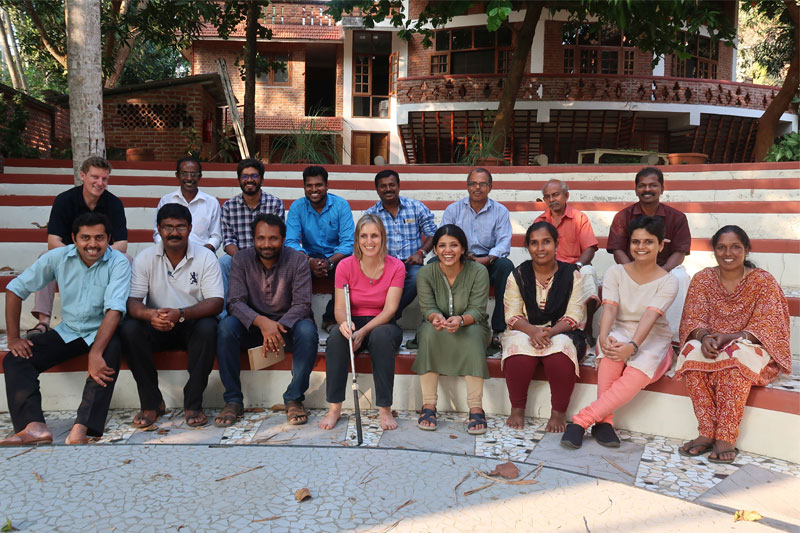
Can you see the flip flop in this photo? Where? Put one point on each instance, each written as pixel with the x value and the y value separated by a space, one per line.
pixel 146 422
pixel 704 448
pixel 16 440
pixel 719 461
pixel 428 415
pixel 200 418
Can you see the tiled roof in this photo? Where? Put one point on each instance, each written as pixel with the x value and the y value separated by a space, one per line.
pixel 284 32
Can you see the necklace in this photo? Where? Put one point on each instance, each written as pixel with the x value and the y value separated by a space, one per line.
pixel 374 277
pixel 546 279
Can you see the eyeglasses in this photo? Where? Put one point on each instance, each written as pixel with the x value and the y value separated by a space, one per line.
pixel 180 228
pixel 481 184
pixel 249 176
pixel 189 174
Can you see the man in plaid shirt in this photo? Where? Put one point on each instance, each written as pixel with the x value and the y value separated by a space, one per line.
pixel 239 211
pixel 409 230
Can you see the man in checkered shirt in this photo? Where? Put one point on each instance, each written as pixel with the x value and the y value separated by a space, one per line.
pixel 409 230
pixel 239 211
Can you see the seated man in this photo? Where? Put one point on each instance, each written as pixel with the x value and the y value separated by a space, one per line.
pixel 409 230
pixel 269 304
pixel 94 281
pixel 91 196
pixel 488 230
pixel 206 229
pixel 321 226
pixel 576 242
pixel 182 283
pixel 238 212
pixel 677 238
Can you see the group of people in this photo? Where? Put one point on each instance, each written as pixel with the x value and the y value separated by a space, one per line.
pixel 732 330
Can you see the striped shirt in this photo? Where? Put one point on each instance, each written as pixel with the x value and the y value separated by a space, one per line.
pixel 237 217
pixel 404 232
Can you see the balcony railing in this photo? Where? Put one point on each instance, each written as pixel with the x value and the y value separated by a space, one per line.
pixel 587 88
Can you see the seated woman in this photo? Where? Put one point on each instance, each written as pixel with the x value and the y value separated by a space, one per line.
pixel 545 312
pixel 376 283
pixel 735 329
pixel 453 293
pixel 635 340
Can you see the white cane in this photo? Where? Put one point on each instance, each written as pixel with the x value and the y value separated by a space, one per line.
pixel 353 363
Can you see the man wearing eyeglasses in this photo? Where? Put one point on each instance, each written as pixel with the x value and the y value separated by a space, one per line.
pixel 206 229
pixel 176 294
pixel 488 229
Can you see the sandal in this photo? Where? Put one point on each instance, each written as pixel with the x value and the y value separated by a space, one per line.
pixel 478 419
pixel 604 435
pixel 37 330
pixel 146 422
pixel 428 415
pixel 717 460
pixel 229 415
pixel 296 414
pixel 195 418
pixel 687 452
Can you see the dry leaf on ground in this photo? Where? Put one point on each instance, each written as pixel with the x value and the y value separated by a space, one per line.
pixel 453 436
pixel 302 495
pixel 41 480
pixel 747 516
pixel 254 410
pixel 277 408
pixel 162 431
pixel 507 470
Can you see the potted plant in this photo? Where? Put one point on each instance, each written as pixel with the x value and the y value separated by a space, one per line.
pixel 481 149
pixel 687 158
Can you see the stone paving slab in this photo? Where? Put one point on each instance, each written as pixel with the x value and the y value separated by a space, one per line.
pixel 251 488
pixel 450 437
pixel 172 429
pixel 772 494
pixel 276 430
pixel 591 459
pixel 60 427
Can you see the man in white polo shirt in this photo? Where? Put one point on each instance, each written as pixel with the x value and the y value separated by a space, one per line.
pixel 182 285
pixel 206 226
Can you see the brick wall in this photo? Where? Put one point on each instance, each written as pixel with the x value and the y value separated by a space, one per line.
pixel 126 128
pixel 38 133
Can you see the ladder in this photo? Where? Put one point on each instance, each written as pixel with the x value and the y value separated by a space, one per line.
pixel 222 68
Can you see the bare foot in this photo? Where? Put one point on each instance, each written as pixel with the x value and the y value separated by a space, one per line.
pixel 517 418
pixel 329 420
pixel 557 422
pixel 387 420
pixel 77 435
pixel 34 433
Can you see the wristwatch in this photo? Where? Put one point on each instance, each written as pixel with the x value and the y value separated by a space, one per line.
pixel 330 266
pixel 461 324
pixel 579 264
pixel 182 318
pixel 635 348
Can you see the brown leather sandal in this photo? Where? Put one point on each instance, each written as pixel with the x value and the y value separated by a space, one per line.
pixel 229 415
pixel 296 414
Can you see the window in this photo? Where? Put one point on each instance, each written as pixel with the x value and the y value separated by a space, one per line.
pixel 372 68
pixel 702 60
pixel 276 75
pixel 598 51
pixel 472 51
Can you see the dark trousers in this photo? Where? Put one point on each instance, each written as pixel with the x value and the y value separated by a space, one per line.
pixel 302 340
pixel 409 289
pixel 560 372
pixel 382 344
pixel 49 349
pixel 197 337
pixel 327 316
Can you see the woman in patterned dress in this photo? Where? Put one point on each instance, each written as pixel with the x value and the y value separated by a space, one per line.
pixel 735 330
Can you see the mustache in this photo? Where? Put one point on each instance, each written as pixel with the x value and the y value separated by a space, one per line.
pixel 174 238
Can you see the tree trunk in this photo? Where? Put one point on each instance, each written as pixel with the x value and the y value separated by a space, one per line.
pixel 250 77
pixel 120 9
pixel 14 50
pixel 85 77
pixel 522 49
pixel 10 61
pixel 768 123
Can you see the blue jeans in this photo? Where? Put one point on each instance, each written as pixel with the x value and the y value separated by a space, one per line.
pixel 302 340
pixel 225 266
pixel 409 289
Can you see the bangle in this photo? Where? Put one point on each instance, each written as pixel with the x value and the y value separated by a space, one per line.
pixel 703 337
pixel 635 348
pixel 421 251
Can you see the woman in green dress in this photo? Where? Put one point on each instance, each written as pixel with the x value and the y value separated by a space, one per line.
pixel 453 293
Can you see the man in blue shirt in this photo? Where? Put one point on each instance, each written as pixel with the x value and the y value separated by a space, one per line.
pixel 321 226
pixel 94 280
pixel 488 230
pixel 409 230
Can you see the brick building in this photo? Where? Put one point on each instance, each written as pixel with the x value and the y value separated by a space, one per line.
pixel 387 97
pixel 44 123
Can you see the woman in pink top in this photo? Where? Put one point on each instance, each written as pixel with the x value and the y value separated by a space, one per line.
pixel 376 284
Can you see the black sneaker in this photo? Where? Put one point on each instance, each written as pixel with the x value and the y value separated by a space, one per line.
pixel 573 436
pixel 604 434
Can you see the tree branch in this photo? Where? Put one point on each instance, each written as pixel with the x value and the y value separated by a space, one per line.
pixel 48 44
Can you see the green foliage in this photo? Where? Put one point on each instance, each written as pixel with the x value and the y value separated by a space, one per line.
pixel 766 41
pixel 194 146
pixel 8 526
pixel 228 149
pixel 263 64
pixel 307 142
pixel 13 120
pixel 786 149
pixel 481 146
pixel 151 61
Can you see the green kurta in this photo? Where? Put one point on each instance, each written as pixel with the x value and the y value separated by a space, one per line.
pixel 462 353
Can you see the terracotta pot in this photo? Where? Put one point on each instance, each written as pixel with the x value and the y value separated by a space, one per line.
pixel 491 162
pixel 687 158
pixel 140 154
